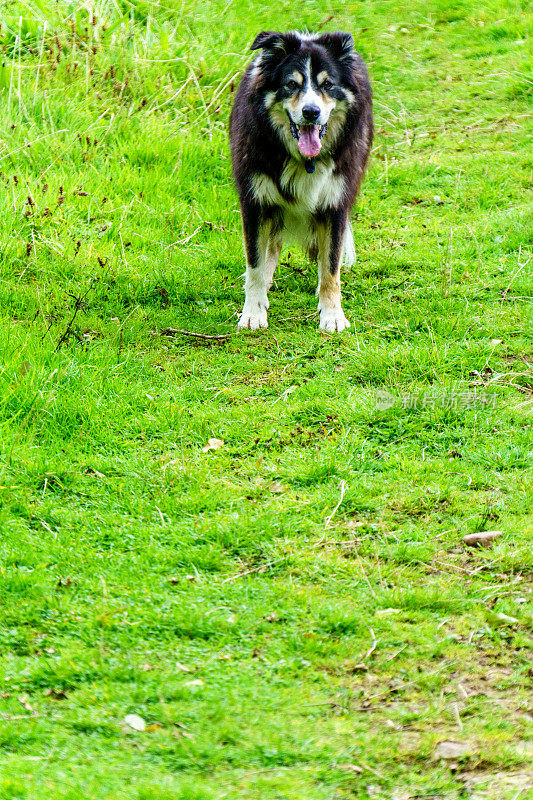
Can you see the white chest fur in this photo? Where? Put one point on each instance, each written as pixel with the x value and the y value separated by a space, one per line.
pixel 308 192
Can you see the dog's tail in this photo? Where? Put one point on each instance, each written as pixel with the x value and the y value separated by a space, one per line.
pixel 350 256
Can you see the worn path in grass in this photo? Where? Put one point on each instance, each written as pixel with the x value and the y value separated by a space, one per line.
pixel 293 613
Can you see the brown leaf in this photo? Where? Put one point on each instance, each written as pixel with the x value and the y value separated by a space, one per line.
pixel 55 694
pixel 481 538
pixel 351 768
pixel 24 700
pixel 91 471
pixel 212 444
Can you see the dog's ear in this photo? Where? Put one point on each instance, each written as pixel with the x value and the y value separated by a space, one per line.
pixel 276 42
pixel 339 44
pixel 268 40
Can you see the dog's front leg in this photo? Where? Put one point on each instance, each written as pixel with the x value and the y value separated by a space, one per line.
pixel 256 233
pixel 331 230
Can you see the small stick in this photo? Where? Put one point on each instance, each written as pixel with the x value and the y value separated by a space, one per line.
pixel 221 337
pixel 374 645
pixel 373 771
pixel 450 566
pixel 277 344
pixel 457 717
pixel 397 653
pixel 342 487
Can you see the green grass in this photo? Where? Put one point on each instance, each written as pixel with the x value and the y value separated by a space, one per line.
pixel 310 573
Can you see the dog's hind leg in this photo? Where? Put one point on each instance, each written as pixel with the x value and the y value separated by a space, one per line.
pixel 312 248
pixel 256 232
pixel 331 230
pixel 272 255
pixel 350 256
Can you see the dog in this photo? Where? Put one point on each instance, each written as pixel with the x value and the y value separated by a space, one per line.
pixel 301 129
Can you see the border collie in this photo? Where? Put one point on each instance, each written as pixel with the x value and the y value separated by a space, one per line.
pixel 301 130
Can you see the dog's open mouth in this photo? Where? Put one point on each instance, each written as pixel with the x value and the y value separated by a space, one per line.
pixel 308 138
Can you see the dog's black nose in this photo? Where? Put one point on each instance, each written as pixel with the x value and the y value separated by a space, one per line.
pixel 311 113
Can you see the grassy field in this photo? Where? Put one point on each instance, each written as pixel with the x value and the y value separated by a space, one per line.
pixel 291 610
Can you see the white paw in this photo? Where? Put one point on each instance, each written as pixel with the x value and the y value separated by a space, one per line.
pixel 254 316
pixel 333 320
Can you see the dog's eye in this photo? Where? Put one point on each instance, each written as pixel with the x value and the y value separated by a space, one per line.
pixel 292 85
pixel 326 85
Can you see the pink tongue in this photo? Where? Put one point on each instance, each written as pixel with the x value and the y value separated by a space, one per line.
pixel 309 141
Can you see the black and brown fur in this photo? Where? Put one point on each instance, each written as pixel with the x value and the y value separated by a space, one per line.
pixel 280 189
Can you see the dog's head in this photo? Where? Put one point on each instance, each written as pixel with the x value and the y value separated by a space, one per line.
pixel 308 84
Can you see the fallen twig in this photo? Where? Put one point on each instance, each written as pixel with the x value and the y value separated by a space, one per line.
pixel 373 771
pixel 397 653
pixel 342 487
pixel 374 645
pixel 219 337
pixel 450 566
pixel 455 708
